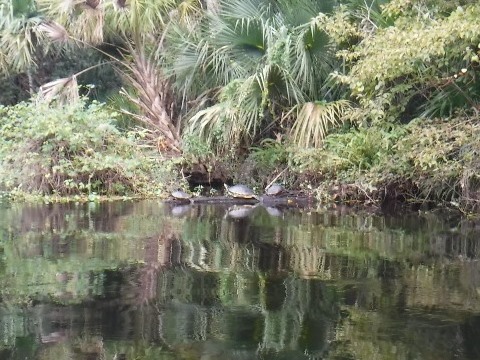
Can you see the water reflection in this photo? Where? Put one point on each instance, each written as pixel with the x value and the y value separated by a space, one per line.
pixel 147 280
pixel 240 211
pixel 181 210
pixel 273 211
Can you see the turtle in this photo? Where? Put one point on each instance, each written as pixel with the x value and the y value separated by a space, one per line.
pixel 274 190
pixel 240 191
pixel 181 195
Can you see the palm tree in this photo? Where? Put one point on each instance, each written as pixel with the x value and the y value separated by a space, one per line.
pixel 20 40
pixel 135 28
pixel 248 63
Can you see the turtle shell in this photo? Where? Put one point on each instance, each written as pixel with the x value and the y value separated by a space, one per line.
pixel 274 189
pixel 240 191
pixel 181 195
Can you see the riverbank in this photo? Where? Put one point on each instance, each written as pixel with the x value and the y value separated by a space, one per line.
pixel 425 162
pixel 65 156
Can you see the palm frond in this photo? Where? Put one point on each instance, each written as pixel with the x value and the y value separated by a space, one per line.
pixel 205 62
pixel 88 26
pixel 235 118
pixel 18 41
pixel 151 93
pixel 54 31
pixel 208 123
pixel 264 60
pixel 227 64
pixel 313 120
pixel 64 91
pixel 4 68
pixel 243 11
pixel 58 7
pixel 249 103
pixel 444 101
pixel 189 12
pixel 369 14
pixel 93 20
pixel 299 12
pixel 311 56
pixel 189 70
pixel 290 88
pixel 84 20
pixel 139 17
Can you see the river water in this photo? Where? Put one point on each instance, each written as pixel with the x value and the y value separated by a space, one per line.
pixel 149 280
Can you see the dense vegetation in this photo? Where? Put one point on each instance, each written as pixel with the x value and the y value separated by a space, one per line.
pixel 366 100
pixel 74 150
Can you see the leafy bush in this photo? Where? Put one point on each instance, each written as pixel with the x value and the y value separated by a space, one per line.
pixel 270 155
pixel 441 157
pixel 345 154
pixel 72 150
pixel 438 159
pixel 265 162
pixel 426 62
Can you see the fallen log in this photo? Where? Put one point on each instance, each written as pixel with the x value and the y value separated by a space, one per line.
pixel 273 201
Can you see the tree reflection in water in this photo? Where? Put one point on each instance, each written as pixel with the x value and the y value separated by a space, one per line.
pixel 144 280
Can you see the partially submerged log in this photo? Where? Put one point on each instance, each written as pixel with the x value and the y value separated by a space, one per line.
pixel 273 201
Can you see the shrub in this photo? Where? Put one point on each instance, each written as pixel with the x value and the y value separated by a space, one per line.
pixel 440 156
pixel 73 150
pixel 346 154
pixel 430 159
pixel 427 64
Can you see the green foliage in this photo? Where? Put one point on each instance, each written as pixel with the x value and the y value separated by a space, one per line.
pixel 413 48
pixel 249 63
pixel 402 8
pixel 438 158
pixel 345 155
pixel 212 82
pixel 270 155
pixel 72 150
pixel 418 59
pixel 197 149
